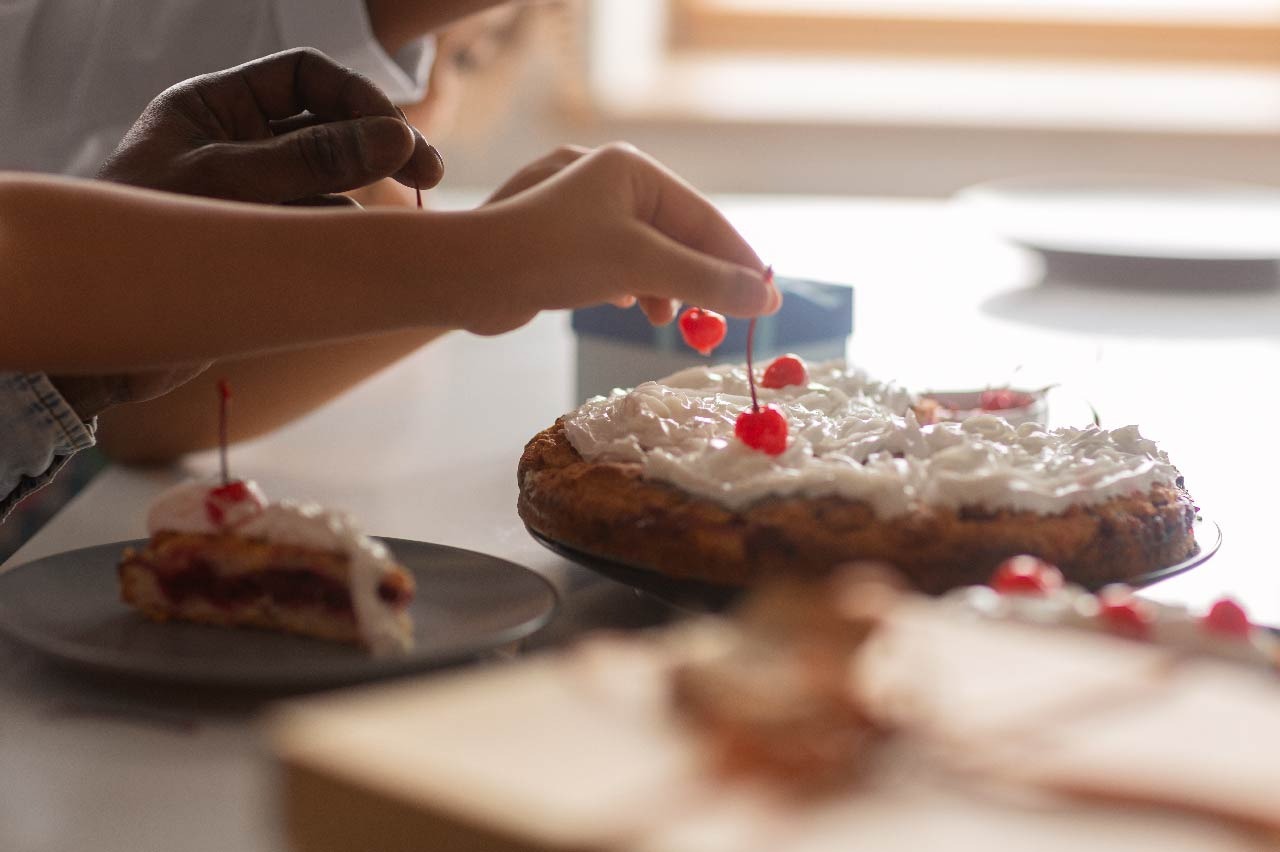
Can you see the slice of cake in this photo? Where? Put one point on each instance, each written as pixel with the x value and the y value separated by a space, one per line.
pixel 223 555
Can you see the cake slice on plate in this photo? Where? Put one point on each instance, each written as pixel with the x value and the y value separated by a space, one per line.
pixel 221 554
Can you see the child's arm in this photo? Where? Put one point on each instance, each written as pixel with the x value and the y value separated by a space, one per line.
pixel 159 430
pixel 282 386
pixel 179 422
pixel 179 145
pixel 97 278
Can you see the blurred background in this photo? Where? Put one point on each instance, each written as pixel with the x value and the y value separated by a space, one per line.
pixel 885 97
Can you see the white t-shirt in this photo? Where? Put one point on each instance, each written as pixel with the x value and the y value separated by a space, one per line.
pixel 75 74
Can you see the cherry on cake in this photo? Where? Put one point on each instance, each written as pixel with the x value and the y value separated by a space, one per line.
pixel 222 554
pixel 658 478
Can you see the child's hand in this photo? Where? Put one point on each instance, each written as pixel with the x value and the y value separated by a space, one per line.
pixel 613 225
pixel 291 127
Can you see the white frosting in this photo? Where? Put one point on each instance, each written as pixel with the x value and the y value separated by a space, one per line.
pixel 182 509
pixel 1073 606
pixel 853 437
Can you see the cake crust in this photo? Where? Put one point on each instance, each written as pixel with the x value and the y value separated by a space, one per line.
pixel 609 509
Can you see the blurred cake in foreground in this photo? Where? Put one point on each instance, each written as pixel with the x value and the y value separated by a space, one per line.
pixel 841 715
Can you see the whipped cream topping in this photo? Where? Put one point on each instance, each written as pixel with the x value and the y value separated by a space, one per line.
pixel 857 438
pixel 182 509
pixel 185 508
pixel 1073 606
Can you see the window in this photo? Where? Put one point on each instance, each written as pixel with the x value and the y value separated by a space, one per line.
pixel 926 96
pixel 1217 31
pixel 1139 65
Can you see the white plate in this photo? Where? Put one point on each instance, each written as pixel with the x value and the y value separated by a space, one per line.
pixel 68 607
pixel 1140 216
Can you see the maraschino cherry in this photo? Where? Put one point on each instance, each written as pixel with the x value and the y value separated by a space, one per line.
pixel 763 429
pixel 785 370
pixel 233 495
pixel 1227 618
pixel 1123 613
pixel 703 330
pixel 1026 575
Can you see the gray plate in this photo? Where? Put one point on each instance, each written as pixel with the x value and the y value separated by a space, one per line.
pixel 68 607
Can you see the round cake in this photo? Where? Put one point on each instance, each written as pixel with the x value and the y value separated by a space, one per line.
pixel 654 478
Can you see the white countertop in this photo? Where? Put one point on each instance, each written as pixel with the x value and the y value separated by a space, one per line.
pixel 428 451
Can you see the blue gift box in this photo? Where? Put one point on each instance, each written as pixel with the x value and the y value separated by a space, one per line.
pixel 619 348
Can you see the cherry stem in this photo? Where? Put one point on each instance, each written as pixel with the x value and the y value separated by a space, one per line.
pixel 751 337
pixel 224 403
pixel 417 190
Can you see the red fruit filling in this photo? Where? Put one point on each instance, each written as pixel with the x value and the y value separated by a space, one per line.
pixel 1026 575
pixel 284 585
pixel 785 370
pixel 288 586
pixel 703 330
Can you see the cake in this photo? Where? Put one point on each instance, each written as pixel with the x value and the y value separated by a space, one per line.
pixel 844 714
pixel 654 478
pixel 808 678
pixel 222 554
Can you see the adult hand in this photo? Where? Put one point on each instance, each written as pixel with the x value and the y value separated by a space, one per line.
pixel 290 128
pixel 613 225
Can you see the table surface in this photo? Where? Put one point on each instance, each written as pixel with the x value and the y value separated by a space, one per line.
pixel 427 451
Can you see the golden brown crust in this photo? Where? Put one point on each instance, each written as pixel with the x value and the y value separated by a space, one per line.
pixel 608 509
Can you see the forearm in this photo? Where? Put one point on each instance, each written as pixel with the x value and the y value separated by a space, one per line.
pixel 271 391
pixel 156 279
pixel 398 22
